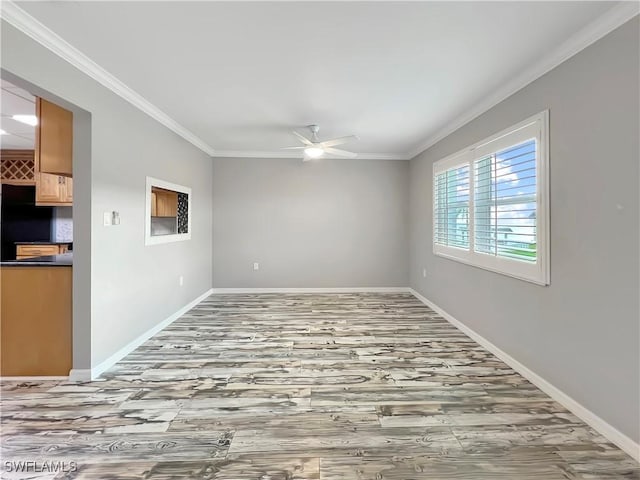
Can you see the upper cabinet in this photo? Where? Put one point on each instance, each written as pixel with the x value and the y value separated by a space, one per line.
pixel 54 139
pixel 164 203
pixel 53 155
pixel 67 198
pixel 53 190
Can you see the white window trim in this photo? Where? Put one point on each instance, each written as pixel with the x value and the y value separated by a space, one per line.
pixel 159 239
pixel 536 127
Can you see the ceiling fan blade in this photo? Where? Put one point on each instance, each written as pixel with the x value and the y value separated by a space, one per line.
pixel 340 153
pixel 338 141
pixel 293 148
pixel 302 138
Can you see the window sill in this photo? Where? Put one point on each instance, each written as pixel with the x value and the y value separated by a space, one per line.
pixel 532 273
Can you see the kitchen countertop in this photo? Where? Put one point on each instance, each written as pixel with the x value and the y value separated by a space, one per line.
pixel 43 243
pixel 62 260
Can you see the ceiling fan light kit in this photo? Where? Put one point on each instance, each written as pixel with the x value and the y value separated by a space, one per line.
pixel 313 152
pixel 313 148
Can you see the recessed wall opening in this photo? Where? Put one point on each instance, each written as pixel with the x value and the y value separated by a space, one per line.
pixel 45 156
pixel 168 212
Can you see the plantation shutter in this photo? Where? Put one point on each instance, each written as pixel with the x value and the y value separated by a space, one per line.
pixel 451 207
pixel 505 203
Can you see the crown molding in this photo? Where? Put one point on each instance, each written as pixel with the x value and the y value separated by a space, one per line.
pixel 592 32
pixel 36 30
pixel 279 154
pixel 39 32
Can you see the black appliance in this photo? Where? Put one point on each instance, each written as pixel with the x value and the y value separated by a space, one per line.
pixel 21 220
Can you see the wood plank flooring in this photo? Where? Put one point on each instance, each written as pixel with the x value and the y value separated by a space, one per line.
pixel 291 387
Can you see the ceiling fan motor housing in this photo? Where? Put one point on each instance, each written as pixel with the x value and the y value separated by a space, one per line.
pixel 314 132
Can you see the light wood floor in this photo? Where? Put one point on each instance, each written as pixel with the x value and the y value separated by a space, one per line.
pixel 283 387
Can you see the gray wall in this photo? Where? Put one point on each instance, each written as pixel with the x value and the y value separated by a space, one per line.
pixel 132 287
pixel 332 223
pixel 582 332
pixel 346 223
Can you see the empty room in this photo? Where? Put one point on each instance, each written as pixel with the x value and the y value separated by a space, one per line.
pixel 320 240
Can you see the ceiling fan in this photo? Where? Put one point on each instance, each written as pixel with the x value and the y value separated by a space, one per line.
pixel 313 148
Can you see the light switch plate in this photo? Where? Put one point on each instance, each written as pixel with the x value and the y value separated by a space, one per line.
pixel 116 218
pixel 107 219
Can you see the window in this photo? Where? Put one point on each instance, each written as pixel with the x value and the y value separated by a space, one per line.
pixel 491 203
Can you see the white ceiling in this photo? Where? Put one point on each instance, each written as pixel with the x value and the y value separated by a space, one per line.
pixel 241 75
pixel 16 101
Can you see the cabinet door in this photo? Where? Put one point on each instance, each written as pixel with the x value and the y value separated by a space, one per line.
pixel 30 251
pixel 167 204
pixel 67 190
pixel 54 138
pixel 172 204
pixel 154 204
pixel 161 202
pixel 48 188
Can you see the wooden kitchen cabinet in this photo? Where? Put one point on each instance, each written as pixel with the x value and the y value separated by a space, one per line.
pixel 47 188
pixel 53 155
pixel 67 195
pixel 54 139
pixel 154 205
pixel 167 204
pixel 17 167
pixel 164 203
pixel 36 320
pixel 53 190
pixel 32 250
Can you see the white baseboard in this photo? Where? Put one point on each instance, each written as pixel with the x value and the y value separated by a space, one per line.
pixel 80 375
pixel 75 375
pixel 314 290
pixel 131 346
pixel 605 429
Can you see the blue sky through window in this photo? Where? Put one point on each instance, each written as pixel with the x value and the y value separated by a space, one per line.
pixel 514 210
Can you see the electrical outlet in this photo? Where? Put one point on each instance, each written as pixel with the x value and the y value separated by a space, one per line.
pixel 115 218
pixel 181 280
pixel 256 266
pixel 424 272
